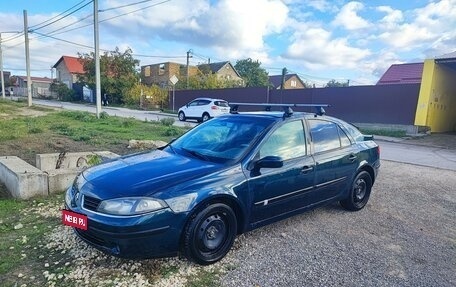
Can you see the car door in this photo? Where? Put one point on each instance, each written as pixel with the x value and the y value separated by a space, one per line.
pixel 192 109
pixel 336 159
pixel 276 191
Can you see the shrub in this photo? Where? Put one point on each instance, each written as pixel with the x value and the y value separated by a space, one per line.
pixel 167 121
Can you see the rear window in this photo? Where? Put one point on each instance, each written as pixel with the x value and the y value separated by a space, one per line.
pixel 221 103
pixel 203 102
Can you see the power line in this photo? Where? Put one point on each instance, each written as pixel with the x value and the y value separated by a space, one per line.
pixel 58 14
pixel 123 6
pixel 64 16
pixel 117 16
pixel 66 41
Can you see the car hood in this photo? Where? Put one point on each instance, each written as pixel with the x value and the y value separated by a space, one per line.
pixel 143 174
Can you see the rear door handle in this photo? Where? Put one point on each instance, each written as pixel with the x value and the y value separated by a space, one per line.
pixel 306 169
pixel 352 157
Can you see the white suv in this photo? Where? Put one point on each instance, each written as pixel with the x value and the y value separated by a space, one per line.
pixel 202 109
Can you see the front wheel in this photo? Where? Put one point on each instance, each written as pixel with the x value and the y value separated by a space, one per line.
pixel 210 234
pixel 181 116
pixel 359 192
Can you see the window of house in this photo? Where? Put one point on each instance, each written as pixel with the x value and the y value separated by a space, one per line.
pixel 293 83
pixel 147 71
pixel 161 69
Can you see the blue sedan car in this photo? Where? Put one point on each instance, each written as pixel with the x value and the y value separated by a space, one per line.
pixel 227 176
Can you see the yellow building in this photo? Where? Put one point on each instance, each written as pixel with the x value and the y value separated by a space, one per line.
pixel 436 106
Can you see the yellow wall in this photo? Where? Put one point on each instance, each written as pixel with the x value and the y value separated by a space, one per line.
pixel 437 100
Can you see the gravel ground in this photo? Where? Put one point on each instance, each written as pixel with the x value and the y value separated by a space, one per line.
pixel 405 236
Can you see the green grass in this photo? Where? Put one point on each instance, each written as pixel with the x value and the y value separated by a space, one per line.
pixel 204 278
pixel 83 126
pixel 382 132
pixel 22 232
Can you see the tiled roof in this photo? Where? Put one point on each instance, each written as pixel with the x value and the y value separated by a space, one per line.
pixel 402 74
pixel 215 67
pixel 73 64
pixel 276 80
pixel 37 79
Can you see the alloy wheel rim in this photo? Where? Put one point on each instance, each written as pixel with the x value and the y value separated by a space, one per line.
pixel 360 190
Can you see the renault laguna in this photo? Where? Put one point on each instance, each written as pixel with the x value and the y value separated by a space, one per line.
pixel 226 176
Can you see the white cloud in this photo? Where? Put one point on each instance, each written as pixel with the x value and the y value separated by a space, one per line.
pixel 349 18
pixel 427 28
pixel 392 17
pixel 314 47
pixel 235 28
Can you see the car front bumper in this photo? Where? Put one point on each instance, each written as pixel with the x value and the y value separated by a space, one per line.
pixel 152 235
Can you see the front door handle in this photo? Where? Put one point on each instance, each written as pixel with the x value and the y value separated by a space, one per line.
pixel 306 169
pixel 352 157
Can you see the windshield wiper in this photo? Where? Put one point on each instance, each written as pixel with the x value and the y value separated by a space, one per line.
pixel 196 154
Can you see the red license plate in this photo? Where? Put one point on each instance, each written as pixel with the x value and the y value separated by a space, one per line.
pixel 74 219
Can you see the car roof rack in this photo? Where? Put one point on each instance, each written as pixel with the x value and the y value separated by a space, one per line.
pixel 287 108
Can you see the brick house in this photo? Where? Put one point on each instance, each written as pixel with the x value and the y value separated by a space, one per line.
pixel 67 70
pixel 159 74
pixel 292 81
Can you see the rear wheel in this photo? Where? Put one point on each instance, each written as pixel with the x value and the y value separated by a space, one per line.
pixel 205 117
pixel 210 234
pixel 181 116
pixel 359 192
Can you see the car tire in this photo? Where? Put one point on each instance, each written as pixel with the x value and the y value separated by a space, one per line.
pixel 359 192
pixel 210 234
pixel 205 117
pixel 181 116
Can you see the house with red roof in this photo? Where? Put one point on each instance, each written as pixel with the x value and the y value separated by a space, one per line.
pixel 410 73
pixel 68 68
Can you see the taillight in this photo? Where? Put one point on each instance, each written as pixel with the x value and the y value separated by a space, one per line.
pixel 378 151
pixel 214 107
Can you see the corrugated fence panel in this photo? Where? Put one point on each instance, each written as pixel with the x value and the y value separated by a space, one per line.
pixel 384 104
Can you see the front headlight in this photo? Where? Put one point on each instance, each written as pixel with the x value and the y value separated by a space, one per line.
pixel 130 205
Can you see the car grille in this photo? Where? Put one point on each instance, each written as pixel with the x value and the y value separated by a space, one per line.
pixel 91 203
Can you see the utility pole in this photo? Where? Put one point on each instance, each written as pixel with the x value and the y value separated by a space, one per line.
pixel 1 67
pixel 282 84
pixel 27 61
pixel 188 64
pixel 97 57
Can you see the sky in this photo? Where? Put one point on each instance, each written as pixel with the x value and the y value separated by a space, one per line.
pixel 319 40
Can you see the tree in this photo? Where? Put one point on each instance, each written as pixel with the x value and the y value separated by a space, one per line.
pixel 206 82
pixel 334 84
pixel 117 73
pixel 63 92
pixel 252 73
pixel 151 95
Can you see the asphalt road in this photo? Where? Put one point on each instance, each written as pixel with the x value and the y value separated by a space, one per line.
pixel 405 236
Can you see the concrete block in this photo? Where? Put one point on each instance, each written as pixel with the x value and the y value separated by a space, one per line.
pixel 22 179
pixel 52 161
pixel 61 179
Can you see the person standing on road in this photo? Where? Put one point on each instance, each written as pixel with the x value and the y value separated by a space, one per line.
pixel 104 99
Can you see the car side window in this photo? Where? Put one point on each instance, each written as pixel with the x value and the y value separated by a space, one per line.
pixel 192 104
pixel 325 135
pixel 344 140
pixel 287 142
pixel 204 102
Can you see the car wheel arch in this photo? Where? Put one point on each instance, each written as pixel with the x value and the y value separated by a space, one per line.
pixel 225 199
pixel 369 169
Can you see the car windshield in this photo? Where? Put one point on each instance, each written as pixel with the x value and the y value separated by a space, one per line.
pixel 221 139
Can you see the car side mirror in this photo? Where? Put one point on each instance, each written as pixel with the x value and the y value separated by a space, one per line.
pixel 368 137
pixel 269 162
